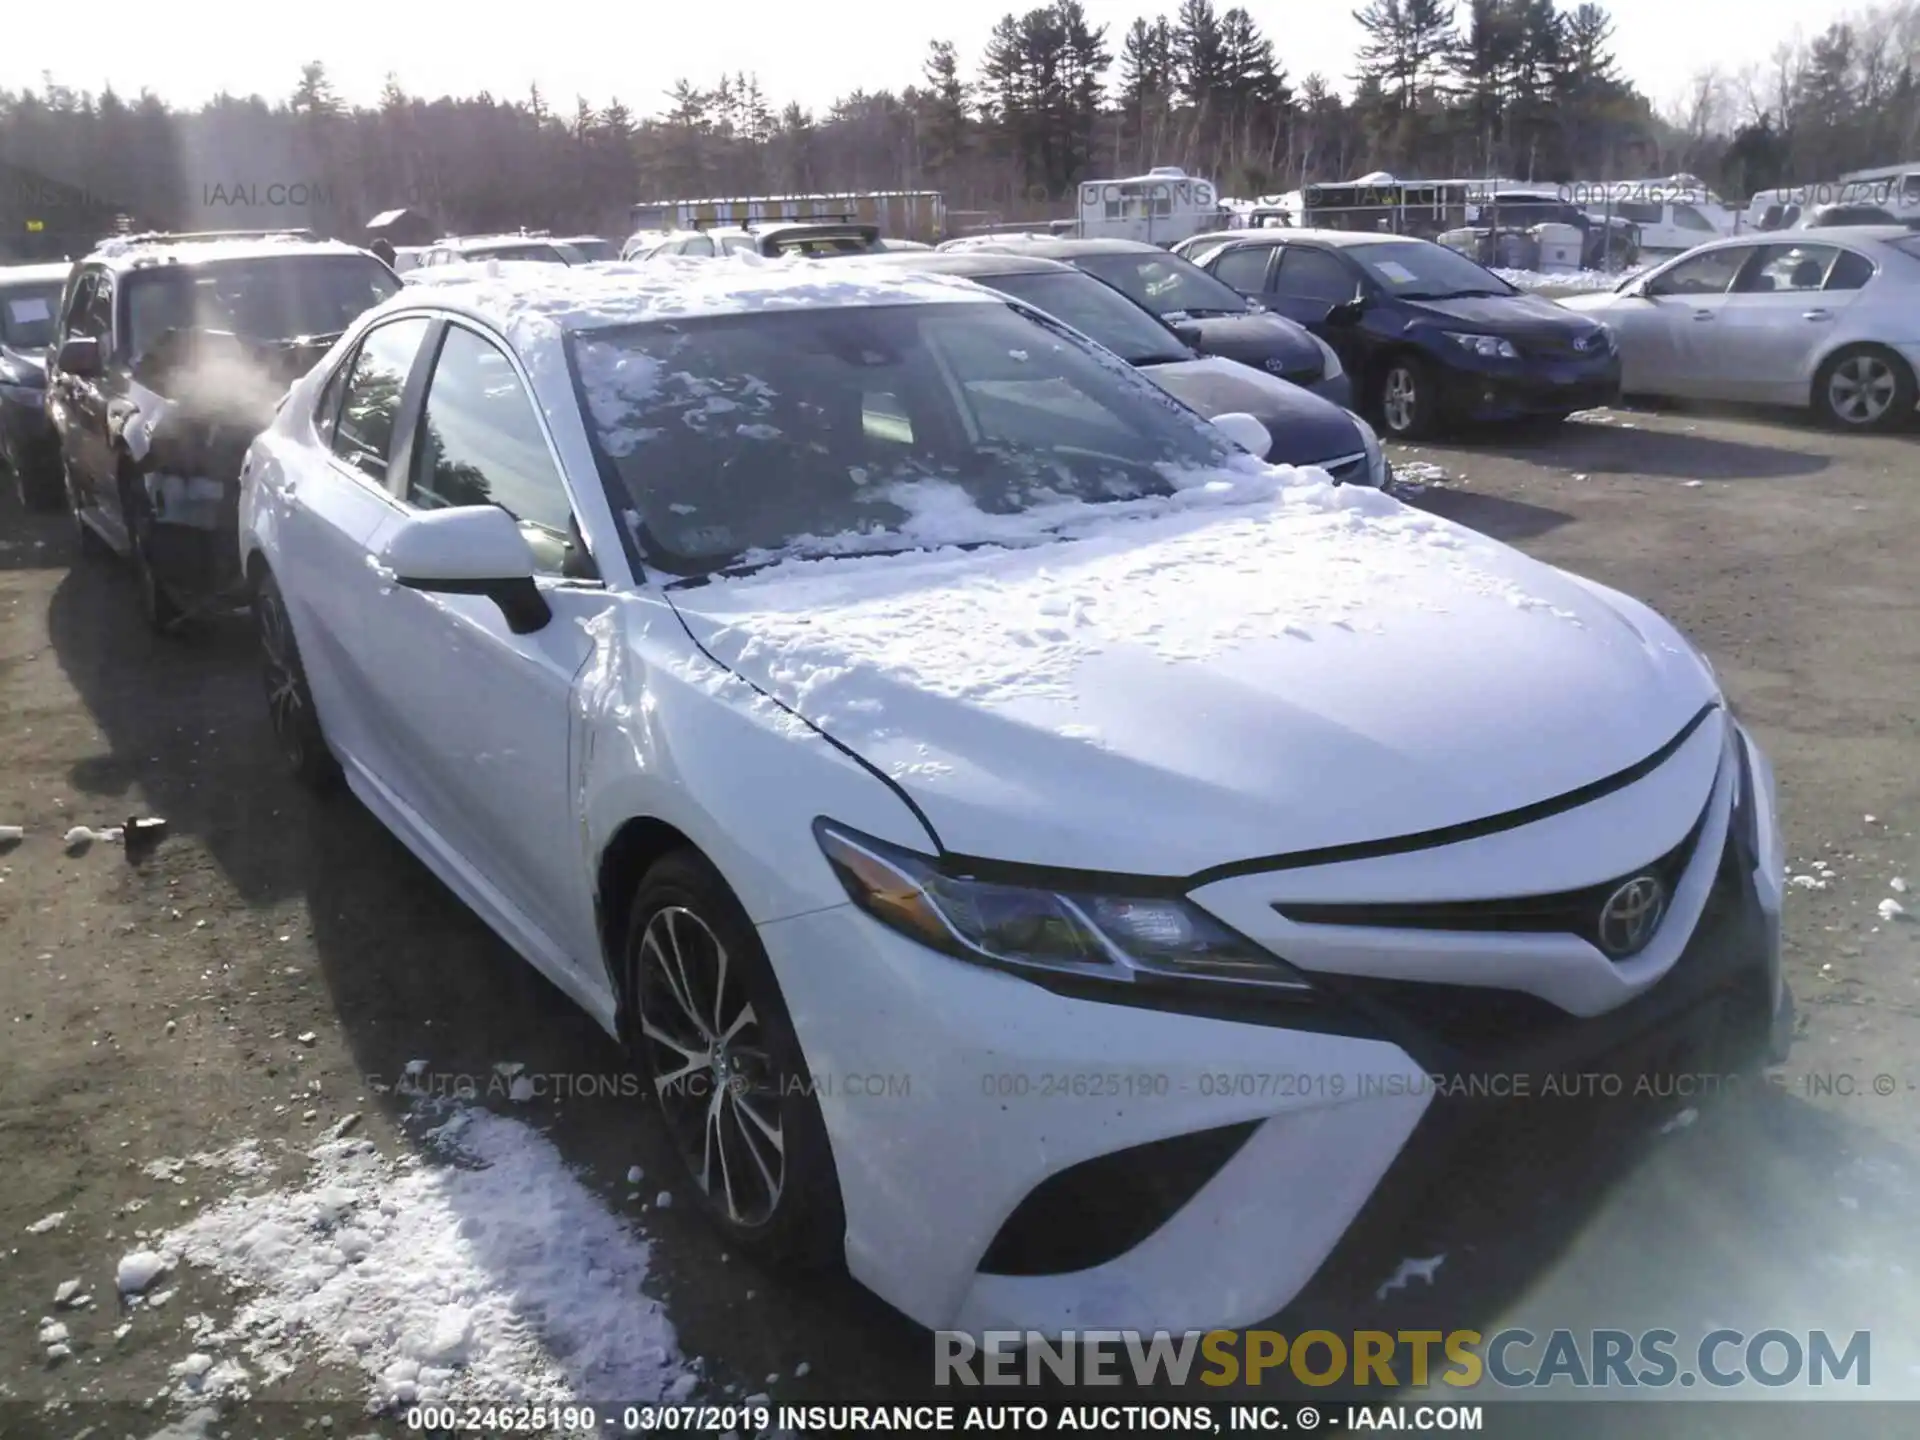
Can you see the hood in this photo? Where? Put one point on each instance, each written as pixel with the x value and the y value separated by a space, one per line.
pixel 1266 342
pixel 1306 429
pixel 1515 317
pixel 1171 693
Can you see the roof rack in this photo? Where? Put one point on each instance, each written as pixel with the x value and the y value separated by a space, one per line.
pixel 186 237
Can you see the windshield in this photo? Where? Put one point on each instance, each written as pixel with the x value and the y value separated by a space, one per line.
pixel 283 297
pixel 1421 270
pixel 27 315
pixel 1096 312
pixel 741 439
pixel 594 250
pixel 1165 284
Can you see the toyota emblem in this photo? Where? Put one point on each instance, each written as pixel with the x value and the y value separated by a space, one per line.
pixel 1631 915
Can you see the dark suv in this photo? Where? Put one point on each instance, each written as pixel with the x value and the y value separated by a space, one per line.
pixel 29 311
pixel 172 353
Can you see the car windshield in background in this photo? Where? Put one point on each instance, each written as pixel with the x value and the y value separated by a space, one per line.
pixel 283 297
pixel 746 438
pixel 1421 270
pixel 1096 312
pixel 823 245
pixel 594 250
pixel 1165 284
pixel 27 315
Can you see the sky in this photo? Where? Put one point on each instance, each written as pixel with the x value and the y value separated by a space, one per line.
pixel 189 50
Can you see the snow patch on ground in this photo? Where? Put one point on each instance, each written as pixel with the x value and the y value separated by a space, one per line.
pixel 482 1269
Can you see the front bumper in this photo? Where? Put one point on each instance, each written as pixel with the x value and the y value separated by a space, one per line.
pixel 1512 390
pixel 965 1106
pixel 191 474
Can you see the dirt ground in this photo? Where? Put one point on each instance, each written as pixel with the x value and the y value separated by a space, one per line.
pixel 272 964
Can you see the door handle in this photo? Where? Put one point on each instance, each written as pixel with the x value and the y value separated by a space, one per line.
pixel 1817 315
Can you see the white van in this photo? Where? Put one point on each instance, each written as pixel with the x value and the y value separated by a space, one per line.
pixel 1673 215
pixel 1162 207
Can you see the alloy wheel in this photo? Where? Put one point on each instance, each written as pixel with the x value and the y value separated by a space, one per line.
pixel 1399 399
pixel 1861 389
pixel 716 1080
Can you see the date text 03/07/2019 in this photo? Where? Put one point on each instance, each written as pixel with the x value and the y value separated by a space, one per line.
pixel 1054 1419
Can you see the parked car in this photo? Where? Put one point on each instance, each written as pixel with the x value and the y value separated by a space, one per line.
pixel 1829 321
pixel 1429 336
pixel 1207 315
pixel 29 313
pixel 172 353
pixel 1829 217
pixel 466 249
pixel 823 675
pixel 813 238
pixel 1303 429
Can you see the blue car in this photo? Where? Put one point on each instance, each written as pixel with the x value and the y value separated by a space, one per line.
pixel 1430 337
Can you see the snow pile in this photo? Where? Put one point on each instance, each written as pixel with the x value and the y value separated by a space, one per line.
pixel 1585 281
pixel 482 1271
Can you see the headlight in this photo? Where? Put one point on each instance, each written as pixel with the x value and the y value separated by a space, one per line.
pixel 1376 457
pixel 1117 938
pixel 1490 347
pixel 1613 340
pixel 1329 359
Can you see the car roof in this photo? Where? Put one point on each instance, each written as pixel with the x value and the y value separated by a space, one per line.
pixel 765 230
pixel 971 262
pixel 1815 235
pixel 1064 247
pixel 535 302
pixel 11 275
pixel 143 252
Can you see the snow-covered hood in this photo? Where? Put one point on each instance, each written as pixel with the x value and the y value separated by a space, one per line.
pixel 1213 682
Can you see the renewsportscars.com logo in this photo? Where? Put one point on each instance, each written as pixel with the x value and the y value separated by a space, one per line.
pixel 1512 1359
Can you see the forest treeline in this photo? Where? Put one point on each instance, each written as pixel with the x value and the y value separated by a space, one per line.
pixel 1520 88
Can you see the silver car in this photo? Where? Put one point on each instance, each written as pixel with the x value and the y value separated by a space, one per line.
pixel 1828 319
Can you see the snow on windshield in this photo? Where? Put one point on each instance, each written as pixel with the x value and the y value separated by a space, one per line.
pixel 745 438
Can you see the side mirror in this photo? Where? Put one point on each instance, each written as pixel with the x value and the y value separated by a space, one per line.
pixel 1189 332
pixel 1348 312
pixel 80 356
pixel 469 550
pixel 1246 431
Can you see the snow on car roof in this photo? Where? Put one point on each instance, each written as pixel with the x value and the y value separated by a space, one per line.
pixel 138 250
pixel 529 301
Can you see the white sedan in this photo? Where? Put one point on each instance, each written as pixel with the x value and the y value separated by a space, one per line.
pixel 1037 851
pixel 1828 319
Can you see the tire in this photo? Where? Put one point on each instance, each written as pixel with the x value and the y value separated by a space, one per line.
pixel 1864 388
pixel 688 937
pixel 1406 397
pixel 163 612
pixel 290 707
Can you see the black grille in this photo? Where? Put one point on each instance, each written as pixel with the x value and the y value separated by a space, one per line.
pixel 1572 912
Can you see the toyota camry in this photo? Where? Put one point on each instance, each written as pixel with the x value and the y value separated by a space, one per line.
pixel 824 673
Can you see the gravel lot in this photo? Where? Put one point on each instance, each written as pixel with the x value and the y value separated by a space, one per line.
pixel 271 966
